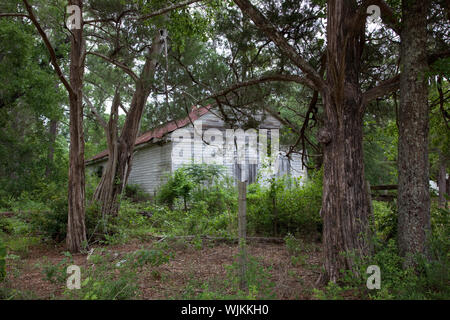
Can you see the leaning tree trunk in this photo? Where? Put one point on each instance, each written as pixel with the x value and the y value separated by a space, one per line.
pixel 106 191
pixel 345 204
pixel 413 165
pixel 76 230
pixel 121 148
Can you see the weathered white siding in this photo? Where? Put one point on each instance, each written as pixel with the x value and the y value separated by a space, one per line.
pixel 150 166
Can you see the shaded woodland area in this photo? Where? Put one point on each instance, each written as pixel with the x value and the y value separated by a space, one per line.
pixel 364 100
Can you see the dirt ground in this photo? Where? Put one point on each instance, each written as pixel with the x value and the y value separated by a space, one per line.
pixel 292 280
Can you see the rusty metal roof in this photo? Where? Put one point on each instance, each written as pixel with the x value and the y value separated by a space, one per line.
pixel 161 131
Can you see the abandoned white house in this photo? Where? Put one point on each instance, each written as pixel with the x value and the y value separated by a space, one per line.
pixel 203 137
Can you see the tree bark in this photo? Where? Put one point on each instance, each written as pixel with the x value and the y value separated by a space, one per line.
pixel 76 230
pixel 121 148
pixel 345 204
pixel 413 165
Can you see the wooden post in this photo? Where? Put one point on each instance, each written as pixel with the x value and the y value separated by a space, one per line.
pixel 242 226
pixel 369 195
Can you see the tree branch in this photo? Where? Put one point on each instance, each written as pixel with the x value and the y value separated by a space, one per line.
pixel 118 64
pixel 382 89
pixel 14 15
pixel 95 113
pixel 315 81
pixel 393 83
pixel 167 9
pixel 50 49
pixel 275 77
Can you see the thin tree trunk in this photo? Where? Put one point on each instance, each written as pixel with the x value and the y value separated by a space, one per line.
pixel 53 129
pixel 413 165
pixel 76 230
pixel 345 204
pixel 442 182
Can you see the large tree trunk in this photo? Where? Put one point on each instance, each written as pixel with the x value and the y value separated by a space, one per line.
pixel 76 230
pixel 121 149
pixel 345 204
pixel 413 165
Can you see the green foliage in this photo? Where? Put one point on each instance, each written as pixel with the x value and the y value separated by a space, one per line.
pixel 28 100
pixel 154 257
pixel 114 276
pixel 430 278
pixel 288 204
pixel 385 220
pixel 56 273
pixel 3 253
pixel 21 245
pixel 136 193
pixel 209 202
pixel 5 226
pixel 107 279
pixel 332 291
pixel 177 185
pixel 296 248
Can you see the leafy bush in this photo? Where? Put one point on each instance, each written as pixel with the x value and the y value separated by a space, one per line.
pixel 285 206
pixel 136 193
pixel 5 225
pixel 194 181
pixel 178 185
pixel 56 273
pixel 2 261
pixel 385 219
pixel 21 245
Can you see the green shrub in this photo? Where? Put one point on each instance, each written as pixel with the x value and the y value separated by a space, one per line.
pixel 56 273
pixel 3 253
pixel 136 193
pixel 385 220
pixel 178 185
pixel 196 182
pixel 5 225
pixel 285 206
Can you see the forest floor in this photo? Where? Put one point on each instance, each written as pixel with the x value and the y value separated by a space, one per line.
pixel 190 268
